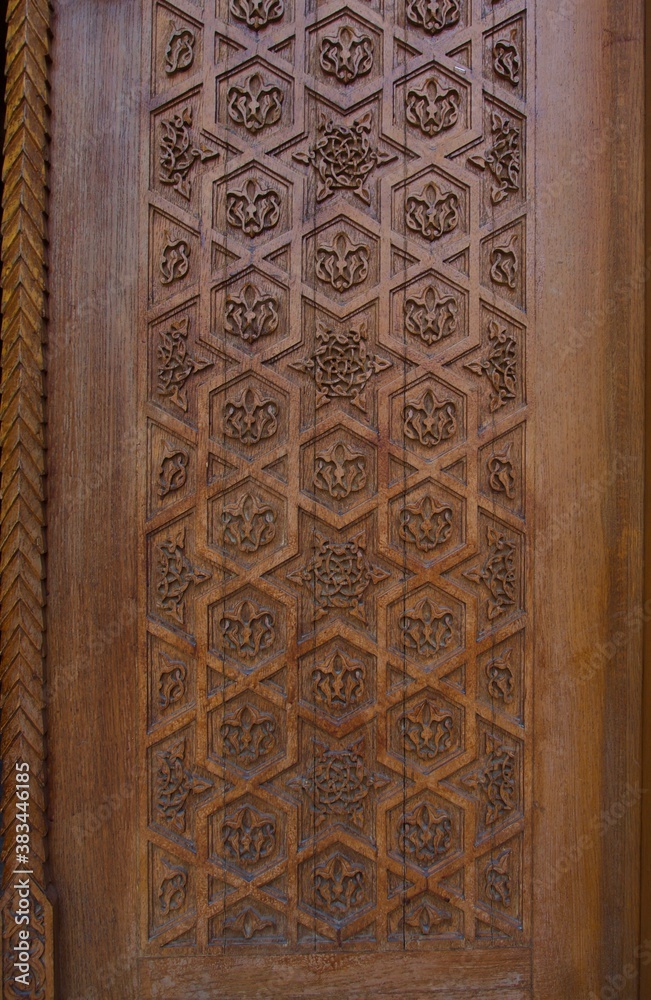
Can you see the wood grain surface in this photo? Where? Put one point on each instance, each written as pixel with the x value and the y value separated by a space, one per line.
pixel 344 664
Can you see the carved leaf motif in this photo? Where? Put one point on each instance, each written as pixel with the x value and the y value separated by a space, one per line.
pixel 498 366
pixel 248 735
pixel 426 523
pixel 174 574
pixel 428 730
pixel 342 263
pixel 249 523
pixel 248 630
pixel 248 923
pixel 426 628
pixel 432 317
pixel 432 109
pixel 338 683
pixel 430 420
pixel 503 158
pixel 498 878
pixel 501 471
pixel 500 677
pixel 433 16
pixel 250 417
pixel 340 886
pixel 425 835
pixel 497 573
pixel 504 263
pixel 348 55
pixel 425 919
pixel 175 261
pixel 256 104
pixel 173 472
pixel 251 314
pixel 341 364
pixel 172 888
pixel 494 779
pixel 175 363
pixel 432 213
pixel 343 157
pixel 174 784
pixel 257 14
pixel 179 51
pixel 172 676
pixel 178 153
pixel 254 208
pixel 506 59
pixel 340 471
pixel 248 836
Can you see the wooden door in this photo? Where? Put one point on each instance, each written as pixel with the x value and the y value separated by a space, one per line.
pixel 330 683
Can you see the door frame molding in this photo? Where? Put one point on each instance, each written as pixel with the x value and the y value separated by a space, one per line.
pixel 23 696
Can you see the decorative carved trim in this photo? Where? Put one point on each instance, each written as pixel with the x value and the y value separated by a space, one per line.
pixel 22 470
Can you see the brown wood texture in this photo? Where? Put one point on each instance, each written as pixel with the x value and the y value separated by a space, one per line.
pixel 313 250
pixel 336 664
pixel 22 517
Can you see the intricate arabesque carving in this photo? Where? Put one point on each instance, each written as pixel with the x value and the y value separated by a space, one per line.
pixel 249 523
pixel 433 212
pixel 250 417
pixel 173 469
pixel 341 365
pixel 253 208
pixel 433 16
pixel 339 682
pixel 179 51
pixel 426 523
pixel 172 679
pixel 425 835
pixel 175 363
pixel 426 627
pixel 497 573
pixel 339 574
pixel 498 366
pixel 429 420
pixel 256 104
pixel 251 314
pixel 431 316
pixel 504 262
pixel 348 665
pixel 347 55
pixel 174 574
pixel 432 108
pixel 174 783
pixel 343 157
pixel 248 735
pixel 22 466
pixel 428 730
pixel 340 471
pixel 172 888
pixel 506 58
pixel 248 630
pixel 178 153
pixel 174 261
pixel 257 14
pixel 248 836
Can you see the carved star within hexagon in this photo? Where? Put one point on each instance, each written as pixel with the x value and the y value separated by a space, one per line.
pixel 337 573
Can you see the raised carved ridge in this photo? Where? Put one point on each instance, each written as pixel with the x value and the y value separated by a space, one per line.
pixel 22 470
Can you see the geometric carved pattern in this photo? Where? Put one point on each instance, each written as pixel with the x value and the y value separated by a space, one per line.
pixel 337 659
pixel 22 518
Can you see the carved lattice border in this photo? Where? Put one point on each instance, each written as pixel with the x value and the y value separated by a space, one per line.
pixel 22 472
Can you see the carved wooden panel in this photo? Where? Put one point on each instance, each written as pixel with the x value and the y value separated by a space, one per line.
pixel 336 668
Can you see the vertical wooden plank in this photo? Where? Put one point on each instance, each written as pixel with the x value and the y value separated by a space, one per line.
pixel 589 494
pixel 92 462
